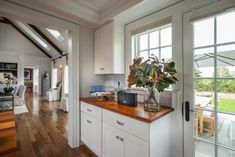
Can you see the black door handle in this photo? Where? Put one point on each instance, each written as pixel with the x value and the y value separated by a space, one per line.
pixel 187 109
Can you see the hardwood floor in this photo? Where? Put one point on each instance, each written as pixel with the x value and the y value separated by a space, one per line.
pixel 43 131
pixel 7 132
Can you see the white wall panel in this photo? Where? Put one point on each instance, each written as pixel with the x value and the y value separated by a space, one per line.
pixel 87 76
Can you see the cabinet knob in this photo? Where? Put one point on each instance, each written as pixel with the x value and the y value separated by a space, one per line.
pixel 89 110
pixel 88 121
pixel 121 139
pixel 101 68
pixel 117 137
pixel 120 123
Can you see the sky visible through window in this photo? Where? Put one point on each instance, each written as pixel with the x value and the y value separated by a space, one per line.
pixel 56 34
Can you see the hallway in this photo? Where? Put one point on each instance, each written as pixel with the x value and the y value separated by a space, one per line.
pixel 42 132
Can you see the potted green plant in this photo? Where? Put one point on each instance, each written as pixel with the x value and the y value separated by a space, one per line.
pixel 153 75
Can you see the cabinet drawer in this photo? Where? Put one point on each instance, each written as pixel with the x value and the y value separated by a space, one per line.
pixel 91 110
pixel 132 126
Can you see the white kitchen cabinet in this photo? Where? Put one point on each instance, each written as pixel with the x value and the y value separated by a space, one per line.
pixel 85 129
pixel 117 143
pixel 135 147
pixel 109 49
pixel 124 136
pixel 91 132
pixel 112 145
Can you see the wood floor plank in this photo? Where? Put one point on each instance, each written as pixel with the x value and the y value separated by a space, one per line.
pixel 7 133
pixel 6 116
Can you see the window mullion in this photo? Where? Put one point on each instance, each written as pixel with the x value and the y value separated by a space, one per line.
pixel 148 44
pixel 159 43
pixel 215 87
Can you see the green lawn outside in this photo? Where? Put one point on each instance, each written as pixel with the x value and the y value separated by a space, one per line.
pixel 226 105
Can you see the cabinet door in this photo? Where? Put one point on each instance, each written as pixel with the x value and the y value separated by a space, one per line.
pixel 135 147
pixel 96 136
pixel 112 145
pixel 107 48
pixel 86 129
pixel 98 55
pixel 103 49
pixel 91 133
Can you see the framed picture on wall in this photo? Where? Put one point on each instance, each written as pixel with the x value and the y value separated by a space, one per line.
pixel 27 74
pixel 9 70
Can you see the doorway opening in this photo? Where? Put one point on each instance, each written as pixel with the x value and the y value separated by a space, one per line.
pixel 31 79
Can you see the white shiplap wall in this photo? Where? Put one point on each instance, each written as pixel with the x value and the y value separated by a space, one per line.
pixel 87 76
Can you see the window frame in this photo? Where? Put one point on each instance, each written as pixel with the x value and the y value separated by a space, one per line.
pixel 136 42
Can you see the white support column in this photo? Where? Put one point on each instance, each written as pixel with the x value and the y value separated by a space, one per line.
pixel 74 112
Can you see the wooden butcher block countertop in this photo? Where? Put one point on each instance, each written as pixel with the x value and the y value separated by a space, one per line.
pixel 137 112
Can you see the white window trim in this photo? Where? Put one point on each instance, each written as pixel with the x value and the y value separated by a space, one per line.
pixel 136 38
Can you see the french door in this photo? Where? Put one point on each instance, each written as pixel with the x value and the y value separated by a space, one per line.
pixel 209 81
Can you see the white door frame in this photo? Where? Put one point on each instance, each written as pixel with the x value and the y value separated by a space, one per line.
pixel 13 11
pixel 220 6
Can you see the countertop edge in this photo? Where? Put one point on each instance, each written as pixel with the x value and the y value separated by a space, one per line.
pixel 146 120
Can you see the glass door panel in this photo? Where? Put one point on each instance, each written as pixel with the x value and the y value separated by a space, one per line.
pixel 212 85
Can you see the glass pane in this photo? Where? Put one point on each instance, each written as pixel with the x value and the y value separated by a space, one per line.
pixel 166 53
pixel 204 62
pixel 226 129
pixel 226 95
pixel 225 48
pixel 144 42
pixel 226 61
pixel 204 149
pixel 144 54
pixel 204 123
pixel 226 28
pixel 204 32
pixel 56 34
pixel 204 93
pixel 166 37
pixel 204 51
pixel 223 152
pixel 155 52
pixel 154 39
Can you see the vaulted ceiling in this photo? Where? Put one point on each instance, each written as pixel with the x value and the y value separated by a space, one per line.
pixel 95 12
pixel 91 13
pixel 53 43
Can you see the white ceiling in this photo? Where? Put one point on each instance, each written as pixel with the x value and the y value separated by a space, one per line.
pixel 98 5
pixel 143 8
pixel 93 13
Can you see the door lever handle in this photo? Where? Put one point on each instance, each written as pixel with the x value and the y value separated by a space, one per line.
pixel 187 110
